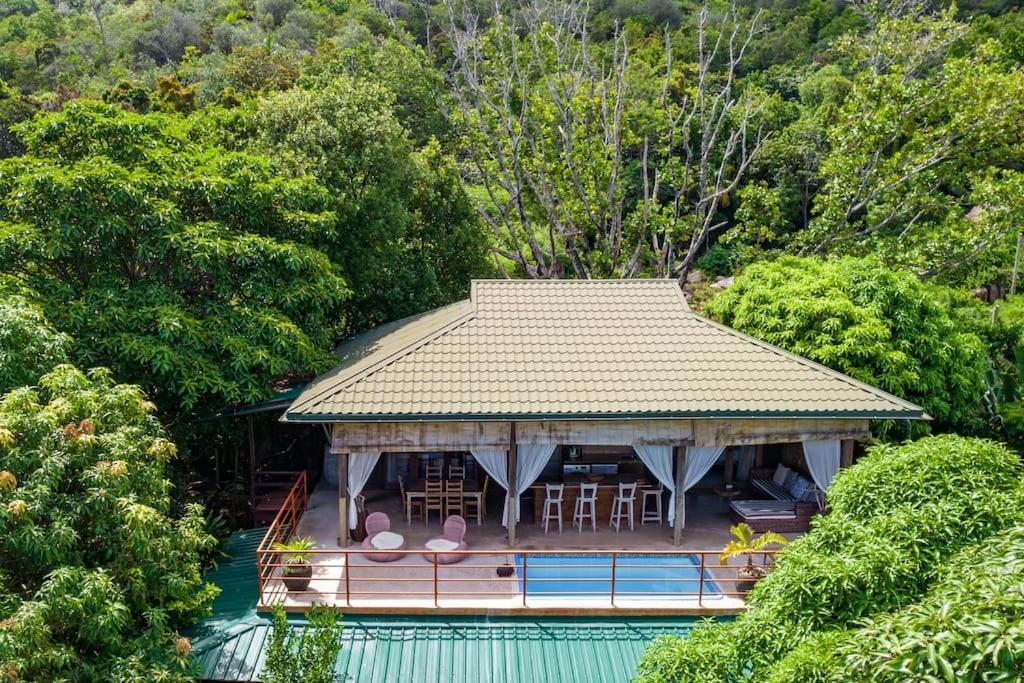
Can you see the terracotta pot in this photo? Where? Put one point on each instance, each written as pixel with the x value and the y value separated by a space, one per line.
pixel 296 577
pixel 747 578
pixel 506 571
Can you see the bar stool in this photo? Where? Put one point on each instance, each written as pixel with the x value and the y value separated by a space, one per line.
pixel 553 497
pixel 586 507
pixel 647 515
pixel 622 506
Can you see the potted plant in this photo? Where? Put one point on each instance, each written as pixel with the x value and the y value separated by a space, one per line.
pixel 744 543
pixel 295 555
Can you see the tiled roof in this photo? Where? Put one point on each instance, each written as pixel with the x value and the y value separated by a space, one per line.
pixel 571 348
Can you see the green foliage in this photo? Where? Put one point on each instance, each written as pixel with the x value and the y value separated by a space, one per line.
pixel 718 260
pixel 186 269
pixel 98 573
pixel 895 518
pixel 883 327
pixel 308 656
pixel 29 346
pixel 406 235
pixel 916 174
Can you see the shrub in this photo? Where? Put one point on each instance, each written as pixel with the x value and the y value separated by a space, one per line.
pixel 895 517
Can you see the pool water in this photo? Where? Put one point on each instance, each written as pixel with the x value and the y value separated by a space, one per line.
pixel 635 575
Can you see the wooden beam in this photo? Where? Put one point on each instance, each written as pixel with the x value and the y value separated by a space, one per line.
pixel 846 453
pixel 753 431
pixel 513 484
pixel 343 535
pixel 677 531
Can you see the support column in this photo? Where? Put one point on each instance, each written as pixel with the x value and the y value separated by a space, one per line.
pixel 343 535
pixel 513 485
pixel 677 531
pixel 846 453
pixel 252 460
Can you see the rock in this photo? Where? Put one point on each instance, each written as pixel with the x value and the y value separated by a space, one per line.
pixel 723 282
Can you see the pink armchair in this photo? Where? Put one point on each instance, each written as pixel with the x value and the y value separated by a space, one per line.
pixel 451 539
pixel 378 523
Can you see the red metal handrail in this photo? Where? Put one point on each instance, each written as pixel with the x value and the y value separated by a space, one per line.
pixel 281 529
pixel 396 576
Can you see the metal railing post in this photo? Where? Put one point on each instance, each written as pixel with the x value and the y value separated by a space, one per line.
pixel 524 578
pixel 435 580
pixel 700 581
pixel 614 558
pixel 348 575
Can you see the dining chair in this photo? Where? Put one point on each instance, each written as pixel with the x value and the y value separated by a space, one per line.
pixel 434 471
pixel 622 506
pixel 475 502
pixel 586 507
pixel 412 505
pixel 453 498
pixel 456 472
pixel 434 500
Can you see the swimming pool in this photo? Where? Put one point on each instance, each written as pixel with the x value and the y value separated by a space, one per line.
pixel 636 575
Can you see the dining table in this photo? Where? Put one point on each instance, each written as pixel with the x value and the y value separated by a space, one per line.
pixel 416 489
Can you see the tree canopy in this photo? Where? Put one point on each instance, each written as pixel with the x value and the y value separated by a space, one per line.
pixel 881 326
pixel 98 570
pixel 185 268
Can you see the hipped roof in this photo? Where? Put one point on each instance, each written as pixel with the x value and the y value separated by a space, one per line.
pixel 577 349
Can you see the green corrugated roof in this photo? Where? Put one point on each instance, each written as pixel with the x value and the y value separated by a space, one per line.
pixel 449 648
pixel 230 645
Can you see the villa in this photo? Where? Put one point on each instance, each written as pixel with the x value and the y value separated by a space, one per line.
pixel 553 449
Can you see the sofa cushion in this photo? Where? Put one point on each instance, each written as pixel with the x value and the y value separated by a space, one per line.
pixel 765 509
pixel 441 544
pixel 798 487
pixel 781 472
pixel 387 540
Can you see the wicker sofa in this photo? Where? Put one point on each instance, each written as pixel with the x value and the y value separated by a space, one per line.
pixel 781 512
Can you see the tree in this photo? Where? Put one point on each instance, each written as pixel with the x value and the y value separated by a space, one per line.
pixel 404 235
pixel 29 346
pixel 98 572
pixel 919 171
pixel 880 326
pixel 609 160
pixel 186 269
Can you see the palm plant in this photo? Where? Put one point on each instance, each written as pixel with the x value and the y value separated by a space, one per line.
pixel 295 553
pixel 744 543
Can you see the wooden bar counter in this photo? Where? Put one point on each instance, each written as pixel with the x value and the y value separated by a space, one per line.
pixel 607 488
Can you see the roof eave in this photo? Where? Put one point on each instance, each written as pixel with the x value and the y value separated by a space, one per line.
pixel 300 418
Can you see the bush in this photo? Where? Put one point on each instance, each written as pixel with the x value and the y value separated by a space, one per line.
pixel 97 574
pixel 895 518
pixel 880 326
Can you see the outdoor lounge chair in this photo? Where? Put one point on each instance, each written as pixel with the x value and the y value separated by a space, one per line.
pixel 452 539
pixel 380 537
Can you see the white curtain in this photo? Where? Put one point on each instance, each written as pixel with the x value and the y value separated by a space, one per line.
pixel 360 465
pixel 530 461
pixel 698 462
pixel 659 461
pixel 529 464
pixel 822 458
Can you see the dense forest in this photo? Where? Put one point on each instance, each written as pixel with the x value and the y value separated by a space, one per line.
pixel 200 198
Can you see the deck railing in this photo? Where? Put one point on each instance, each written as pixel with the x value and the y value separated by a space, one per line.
pixel 281 529
pixel 557 579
